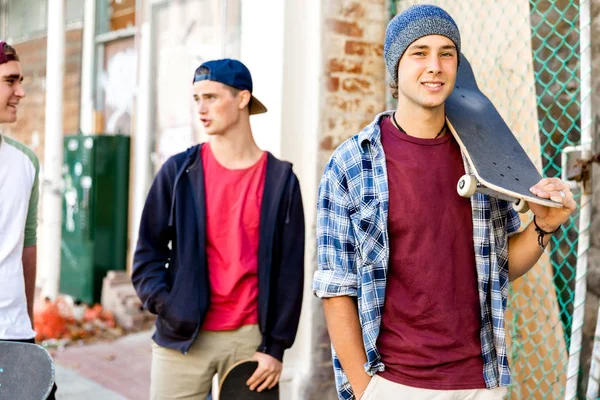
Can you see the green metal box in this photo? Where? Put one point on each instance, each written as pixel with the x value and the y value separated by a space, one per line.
pixel 94 212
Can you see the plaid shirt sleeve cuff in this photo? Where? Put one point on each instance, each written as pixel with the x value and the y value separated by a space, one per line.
pixel 329 283
pixel 513 221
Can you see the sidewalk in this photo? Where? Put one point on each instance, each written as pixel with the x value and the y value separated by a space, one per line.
pixel 117 370
pixel 73 386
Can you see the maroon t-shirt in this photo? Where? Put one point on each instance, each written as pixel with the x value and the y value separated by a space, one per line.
pixel 431 322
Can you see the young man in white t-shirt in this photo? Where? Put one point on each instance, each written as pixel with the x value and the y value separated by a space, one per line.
pixel 19 168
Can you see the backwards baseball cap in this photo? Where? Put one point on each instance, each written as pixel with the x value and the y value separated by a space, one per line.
pixel 412 24
pixel 231 73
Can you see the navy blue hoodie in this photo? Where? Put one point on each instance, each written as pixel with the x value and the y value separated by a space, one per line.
pixel 170 271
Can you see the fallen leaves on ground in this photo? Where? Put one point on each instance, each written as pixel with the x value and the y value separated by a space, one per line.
pixel 60 322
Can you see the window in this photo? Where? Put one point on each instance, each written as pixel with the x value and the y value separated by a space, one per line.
pixel 27 19
pixel 73 11
pixel 187 33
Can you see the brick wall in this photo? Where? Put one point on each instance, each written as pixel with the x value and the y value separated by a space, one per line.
pixel 354 92
pixel 29 127
pixel 355 88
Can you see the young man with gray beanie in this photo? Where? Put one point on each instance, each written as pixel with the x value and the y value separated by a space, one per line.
pixel 414 278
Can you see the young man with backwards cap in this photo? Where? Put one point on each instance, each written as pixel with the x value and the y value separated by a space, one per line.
pixel 221 247
pixel 414 278
pixel 19 170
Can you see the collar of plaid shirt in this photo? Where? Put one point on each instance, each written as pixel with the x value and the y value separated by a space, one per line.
pixel 353 262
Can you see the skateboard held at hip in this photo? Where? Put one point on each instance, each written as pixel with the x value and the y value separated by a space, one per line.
pixel 233 384
pixel 26 371
pixel 499 166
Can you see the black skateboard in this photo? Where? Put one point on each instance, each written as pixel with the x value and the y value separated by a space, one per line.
pixel 233 384
pixel 499 166
pixel 26 371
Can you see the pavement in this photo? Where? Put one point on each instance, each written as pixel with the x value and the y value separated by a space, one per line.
pixel 116 370
pixel 73 386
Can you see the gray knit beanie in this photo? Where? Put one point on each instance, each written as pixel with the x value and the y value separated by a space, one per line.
pixel 412 24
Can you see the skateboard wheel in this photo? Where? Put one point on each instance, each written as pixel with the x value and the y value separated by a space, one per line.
pixel 521 206
pixel 467 186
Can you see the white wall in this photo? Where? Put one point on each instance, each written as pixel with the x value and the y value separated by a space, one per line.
pixel 302 93
pixel 262 52
pixel 281 45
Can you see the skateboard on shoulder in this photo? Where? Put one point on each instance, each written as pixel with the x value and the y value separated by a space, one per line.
pixel 499 166
pixel 26 371
pixel 233 384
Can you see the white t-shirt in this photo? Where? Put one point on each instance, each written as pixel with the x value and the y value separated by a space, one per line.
pixel 19 168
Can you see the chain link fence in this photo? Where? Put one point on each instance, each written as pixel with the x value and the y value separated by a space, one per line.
pixel 526 57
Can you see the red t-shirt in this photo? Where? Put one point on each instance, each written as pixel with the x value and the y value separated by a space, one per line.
pixel 233 202
pixel 431 322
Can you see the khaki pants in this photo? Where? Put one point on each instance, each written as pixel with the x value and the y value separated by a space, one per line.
pixel 178 376
pixel 382 389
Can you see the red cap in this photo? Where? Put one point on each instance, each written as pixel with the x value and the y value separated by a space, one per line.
pixel 3 57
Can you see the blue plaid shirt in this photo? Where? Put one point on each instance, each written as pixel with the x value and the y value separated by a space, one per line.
pixel 353 251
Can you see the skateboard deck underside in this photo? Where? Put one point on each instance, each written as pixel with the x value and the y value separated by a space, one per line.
pixel 26 371
pixel 495 156
pixel 233 384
